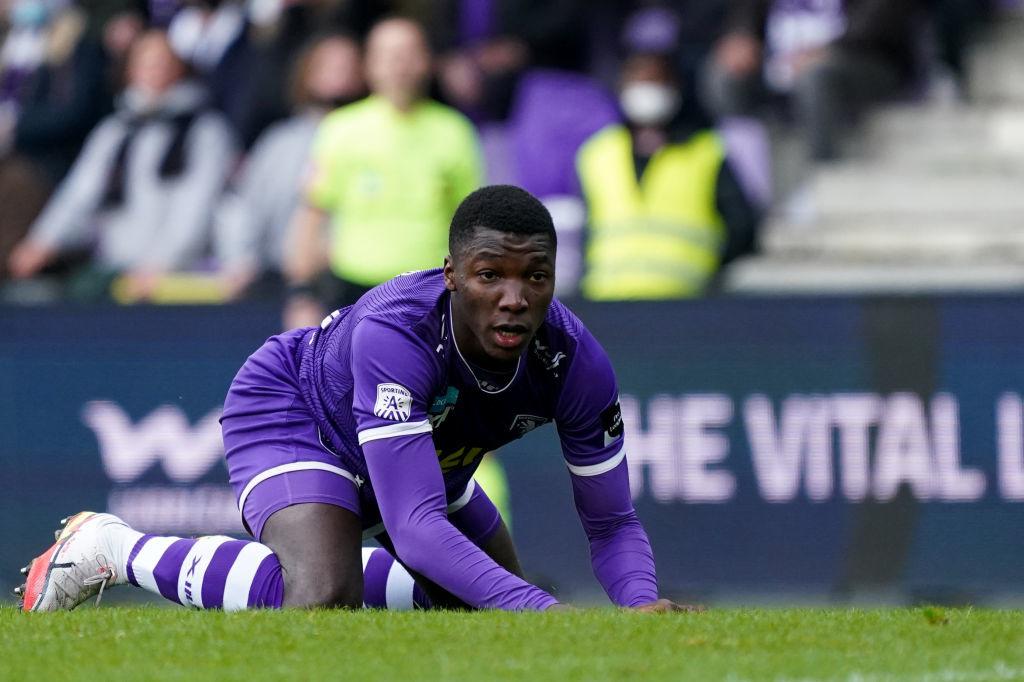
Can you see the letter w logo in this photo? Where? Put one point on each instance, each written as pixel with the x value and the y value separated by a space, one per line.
pixel 165 435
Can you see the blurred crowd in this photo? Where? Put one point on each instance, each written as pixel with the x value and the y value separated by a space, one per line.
pixel 306 150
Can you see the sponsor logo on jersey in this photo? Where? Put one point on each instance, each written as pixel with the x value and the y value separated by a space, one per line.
pixel 524 423
pixel 441 405
pixel 550 360
pixel 394 402
pixel 463 457
pixel 611 423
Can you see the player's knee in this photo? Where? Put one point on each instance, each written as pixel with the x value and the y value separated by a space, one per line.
pixel 310 590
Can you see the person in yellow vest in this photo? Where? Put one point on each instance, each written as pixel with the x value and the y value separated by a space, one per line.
pixel 386 175
pixel 665 210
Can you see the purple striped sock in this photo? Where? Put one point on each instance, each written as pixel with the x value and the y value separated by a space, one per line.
pixel 376 574
pixel 375 579
pixel 217 573
pixel 267 589
pixel 130 573
pixel 168 569
pixel 208 572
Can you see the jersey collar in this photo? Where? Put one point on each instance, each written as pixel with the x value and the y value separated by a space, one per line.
pixel 469 367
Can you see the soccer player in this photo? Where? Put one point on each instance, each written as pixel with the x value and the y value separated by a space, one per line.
pixel 372 424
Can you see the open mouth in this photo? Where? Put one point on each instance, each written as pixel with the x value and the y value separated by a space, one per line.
pixel 510 335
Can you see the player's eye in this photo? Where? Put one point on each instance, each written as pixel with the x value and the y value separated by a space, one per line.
pixel 487 275
pixel 539 276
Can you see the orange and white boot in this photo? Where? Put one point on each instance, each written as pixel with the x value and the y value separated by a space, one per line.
pixel 81 563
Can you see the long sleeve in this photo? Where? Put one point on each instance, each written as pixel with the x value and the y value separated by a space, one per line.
pixel 593 442
pixel 410 492
pixel 620 553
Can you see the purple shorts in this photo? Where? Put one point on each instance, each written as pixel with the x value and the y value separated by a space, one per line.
pixel 276 456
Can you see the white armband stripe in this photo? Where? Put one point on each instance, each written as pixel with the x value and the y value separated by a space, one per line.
pixel 394 431
pixel 600 467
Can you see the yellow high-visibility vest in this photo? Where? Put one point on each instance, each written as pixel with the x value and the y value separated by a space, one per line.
pixel 657 238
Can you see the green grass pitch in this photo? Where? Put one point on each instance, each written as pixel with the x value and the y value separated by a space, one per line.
pixel 130 643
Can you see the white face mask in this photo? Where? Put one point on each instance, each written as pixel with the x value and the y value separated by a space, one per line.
pixel 649 104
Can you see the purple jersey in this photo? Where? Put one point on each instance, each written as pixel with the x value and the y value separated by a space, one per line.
pixel 386 383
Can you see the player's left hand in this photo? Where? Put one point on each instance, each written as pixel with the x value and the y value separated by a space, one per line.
pixel 669 606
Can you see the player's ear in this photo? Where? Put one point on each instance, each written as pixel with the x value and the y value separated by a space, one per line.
pixel 449 274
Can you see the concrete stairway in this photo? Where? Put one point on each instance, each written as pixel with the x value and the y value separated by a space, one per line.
pixel 933 199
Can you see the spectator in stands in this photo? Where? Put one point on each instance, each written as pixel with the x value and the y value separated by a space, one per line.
pixel 253 217
pixel 955 24
pixel 665 210
pixel 51 84
pixel 119 32
pixel 212 37
pixel 52 78
pixel 387 175
pixel 145 183
pixel 833 57
pixel 279 30
pixel 488 44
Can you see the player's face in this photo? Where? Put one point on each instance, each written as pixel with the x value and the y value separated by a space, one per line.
pixel 501 285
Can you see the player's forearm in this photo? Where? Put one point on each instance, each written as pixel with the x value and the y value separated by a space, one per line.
pixel 436 549
pixel 624 564
pixel 620 552
pixel 410 493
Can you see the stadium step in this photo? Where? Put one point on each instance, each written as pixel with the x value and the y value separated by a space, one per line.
pixel 901 238
pixel 881 189
pixel 779 276
pixel 972 139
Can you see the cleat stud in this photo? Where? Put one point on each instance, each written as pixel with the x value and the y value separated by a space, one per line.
pixel 56 534
pixel 19 590
pixel 24 570
pixel 64 521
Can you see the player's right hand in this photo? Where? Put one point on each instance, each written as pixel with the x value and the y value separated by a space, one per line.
pixel 669 606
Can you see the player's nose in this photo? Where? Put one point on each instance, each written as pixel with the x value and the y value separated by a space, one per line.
pixel 513 297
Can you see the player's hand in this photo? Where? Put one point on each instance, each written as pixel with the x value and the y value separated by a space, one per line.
pixel 669 606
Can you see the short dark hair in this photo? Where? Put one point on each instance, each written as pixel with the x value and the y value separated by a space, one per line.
pixel 505 208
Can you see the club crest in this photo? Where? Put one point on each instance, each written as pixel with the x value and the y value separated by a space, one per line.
pixel 524 423
pixel 394 402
